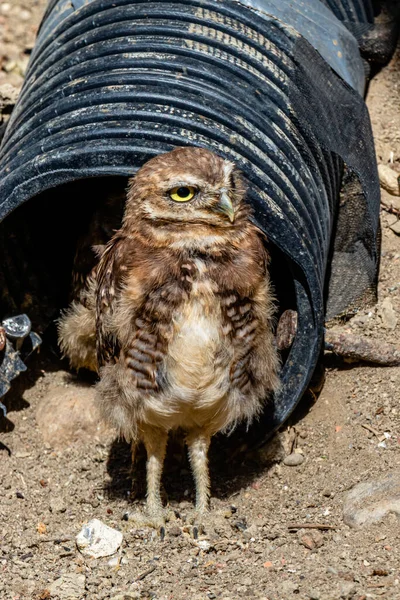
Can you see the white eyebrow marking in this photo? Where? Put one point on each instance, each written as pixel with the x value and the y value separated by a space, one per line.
pixel 228 168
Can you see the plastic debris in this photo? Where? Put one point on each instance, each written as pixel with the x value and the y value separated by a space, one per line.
pixel 17 342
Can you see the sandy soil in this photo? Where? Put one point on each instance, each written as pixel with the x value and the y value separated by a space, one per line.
pixel 51 485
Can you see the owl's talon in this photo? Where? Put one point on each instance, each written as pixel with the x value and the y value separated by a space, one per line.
pixel 197 522
pixel 154 520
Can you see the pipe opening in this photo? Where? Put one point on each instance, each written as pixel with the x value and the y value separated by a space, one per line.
pixel 39 241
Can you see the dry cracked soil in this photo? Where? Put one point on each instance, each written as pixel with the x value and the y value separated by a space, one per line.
pixel 59 468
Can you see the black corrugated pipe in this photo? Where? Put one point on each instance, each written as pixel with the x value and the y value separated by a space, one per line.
pixel 276 88
pixel 355 11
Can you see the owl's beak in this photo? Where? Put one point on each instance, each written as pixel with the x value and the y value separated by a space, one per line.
pixel 225 206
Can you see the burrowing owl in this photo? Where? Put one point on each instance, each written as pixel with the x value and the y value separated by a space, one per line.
pixel 181 308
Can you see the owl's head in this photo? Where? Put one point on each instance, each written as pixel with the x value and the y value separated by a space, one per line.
pixel 188 186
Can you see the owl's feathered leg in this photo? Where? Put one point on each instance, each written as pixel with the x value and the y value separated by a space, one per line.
pixel 198 442
pixel 155 442
pixel 134 448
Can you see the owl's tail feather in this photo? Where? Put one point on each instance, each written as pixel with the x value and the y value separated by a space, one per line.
pixel 77 332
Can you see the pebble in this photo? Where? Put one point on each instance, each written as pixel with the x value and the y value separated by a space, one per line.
pixel 311 539
pixel 175 531
pixel 396 229
pixel 389 179
pixel 70 586
pixel 313 595
pixel 387 314
pixel 273 533
pixel 203 545
pixel 347 590
pixel 97 539
pixel 371 501
pixel 68 415
pixel 25 15
pixel 57 505
pixel 293 460
pixel 251 531
pixel 287 588
pixel 114 562
pixel 22 454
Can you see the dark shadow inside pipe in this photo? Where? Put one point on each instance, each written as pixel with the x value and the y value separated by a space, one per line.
pixel 38 242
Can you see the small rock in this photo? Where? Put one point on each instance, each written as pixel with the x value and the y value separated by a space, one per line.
pixel 273 533
pixel 22 454
pixel 57 505
pixel 240 525
pixel 307 541
pixel 389 179
pixel 114 562
pixel 369 502
pixel 360 320
pixel 347 590
pixel 293 460
pixel 41 528
pixel 203 545
pixel 25 15
pixel 251 532
pixel 97 539
pixel 387 314
pixel 68 587
pixel 175 531
pixel 311 539
pixel 68 414
pixel 313 595
pixel 9 66
pixel 395 227
pixel 287 588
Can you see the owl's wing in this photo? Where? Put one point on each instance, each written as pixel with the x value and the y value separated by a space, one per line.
pixel 142 338
pixel 109 281
pixel 241 325
pixel 248 325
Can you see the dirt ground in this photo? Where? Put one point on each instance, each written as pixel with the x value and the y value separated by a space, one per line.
pixel 53 481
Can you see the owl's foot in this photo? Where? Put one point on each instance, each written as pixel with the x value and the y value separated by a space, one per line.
pixel 198 522
pixel 154 519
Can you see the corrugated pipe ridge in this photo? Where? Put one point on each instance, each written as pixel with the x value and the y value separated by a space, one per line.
pixel 355 11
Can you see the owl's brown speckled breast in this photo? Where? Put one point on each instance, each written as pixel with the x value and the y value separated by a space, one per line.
pixel 198 361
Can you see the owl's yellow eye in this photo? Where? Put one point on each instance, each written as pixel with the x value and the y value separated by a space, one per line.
pixel 183 193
